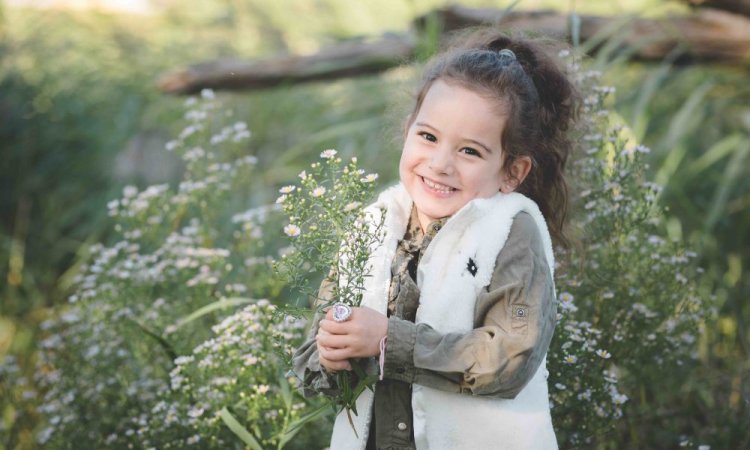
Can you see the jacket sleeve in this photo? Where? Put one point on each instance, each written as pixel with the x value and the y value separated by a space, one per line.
pixel 305 361
pixel 514 320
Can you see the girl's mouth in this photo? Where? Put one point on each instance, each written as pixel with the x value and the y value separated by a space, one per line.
pixel 437 187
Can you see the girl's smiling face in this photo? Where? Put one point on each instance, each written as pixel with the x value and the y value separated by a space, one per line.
pixel 452 152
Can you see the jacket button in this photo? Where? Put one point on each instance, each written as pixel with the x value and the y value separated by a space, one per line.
pixel 401 426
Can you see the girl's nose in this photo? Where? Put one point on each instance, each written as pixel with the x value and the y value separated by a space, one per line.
pixel 442 160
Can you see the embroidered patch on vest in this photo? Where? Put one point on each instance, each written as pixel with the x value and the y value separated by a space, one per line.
pixel 472 267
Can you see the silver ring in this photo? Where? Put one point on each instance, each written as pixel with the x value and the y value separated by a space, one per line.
pixel 341 312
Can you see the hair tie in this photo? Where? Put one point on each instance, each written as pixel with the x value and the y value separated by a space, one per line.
pixel 506 53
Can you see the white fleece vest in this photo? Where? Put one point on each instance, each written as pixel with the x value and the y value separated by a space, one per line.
pixel 456 266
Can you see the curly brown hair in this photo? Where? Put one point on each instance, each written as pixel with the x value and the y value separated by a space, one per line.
pixel 539 100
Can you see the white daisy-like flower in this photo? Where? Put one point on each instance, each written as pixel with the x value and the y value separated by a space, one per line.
pixel 570 359
pixel 281 199
pixel 302 175
pixel 619 399
pixel 262 389
pixel 328 154
pixel 351 206
pixel 369 178
pixel 560 386
pixel 603 354
pixel 129 191
pixel 287 189
pixel 318 191
pixel 195 412
pixel 292 230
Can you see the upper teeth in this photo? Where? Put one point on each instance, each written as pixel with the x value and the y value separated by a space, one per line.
pixel 437 186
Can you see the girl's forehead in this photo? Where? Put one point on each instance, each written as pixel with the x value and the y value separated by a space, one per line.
pixel 450 105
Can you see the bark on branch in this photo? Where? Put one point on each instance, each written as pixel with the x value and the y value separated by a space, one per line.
pixel 735 6
pixel 707 36
pixel 343 60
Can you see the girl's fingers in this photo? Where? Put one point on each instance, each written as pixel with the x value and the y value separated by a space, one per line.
pixel 333 340
pixel 333 327
pixel 335 366
pixel 333 354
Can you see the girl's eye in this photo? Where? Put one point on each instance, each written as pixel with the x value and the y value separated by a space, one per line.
pixel 428 136
pixel 471 151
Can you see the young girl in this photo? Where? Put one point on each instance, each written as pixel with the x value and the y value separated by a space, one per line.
pixel 460 308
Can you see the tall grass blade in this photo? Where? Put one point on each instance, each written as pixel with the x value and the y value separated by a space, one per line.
pixel 215 306
pixel 716 153
pixel 240 431
pixel 681 126
pixel 734 169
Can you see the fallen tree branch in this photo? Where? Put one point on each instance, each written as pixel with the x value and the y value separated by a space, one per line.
pixel 709 36
pixel 343 60
pixel 734 6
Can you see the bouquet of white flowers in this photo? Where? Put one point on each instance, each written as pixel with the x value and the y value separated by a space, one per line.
pixel 332 232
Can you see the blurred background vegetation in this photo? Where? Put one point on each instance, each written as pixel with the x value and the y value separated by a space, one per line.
pixel 81 116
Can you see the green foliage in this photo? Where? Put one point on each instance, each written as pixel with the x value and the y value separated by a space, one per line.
pixel 631 308
pixel 146 302
pixel 695 120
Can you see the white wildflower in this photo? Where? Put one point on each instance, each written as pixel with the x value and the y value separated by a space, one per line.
pixel 318 191
pixel 328 154
pixel 369 178
pixel 292 230
pixel 603 354
pixel 287 189
pixel 351 206
pixel 129 191
pixel 195 412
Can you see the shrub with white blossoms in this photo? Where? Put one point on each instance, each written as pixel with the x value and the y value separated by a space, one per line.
pixel 233 385
pixel 332 233
pixel 182 259
pixel 629 313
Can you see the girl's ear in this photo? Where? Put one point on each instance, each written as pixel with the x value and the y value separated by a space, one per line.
pixel 514 176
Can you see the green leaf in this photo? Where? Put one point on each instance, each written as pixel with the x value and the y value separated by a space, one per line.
pixel 647 92
pixel 296 426
pixel 721 196
pixel 719 150
pixel 217 305
pixel 238 429
pixel 286 392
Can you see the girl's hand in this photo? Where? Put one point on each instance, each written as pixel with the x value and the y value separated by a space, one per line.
pixel 358 337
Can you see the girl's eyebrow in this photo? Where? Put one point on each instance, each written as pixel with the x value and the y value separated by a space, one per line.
pixel 473 141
